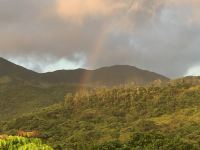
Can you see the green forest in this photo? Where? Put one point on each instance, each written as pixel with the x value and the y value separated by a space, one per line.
pixel 152 117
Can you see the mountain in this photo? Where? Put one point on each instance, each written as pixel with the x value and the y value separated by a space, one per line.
pixel 23 91
pixel 110 76
pixel 107 76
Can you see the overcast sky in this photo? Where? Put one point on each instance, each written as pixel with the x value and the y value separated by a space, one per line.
pixel 157 35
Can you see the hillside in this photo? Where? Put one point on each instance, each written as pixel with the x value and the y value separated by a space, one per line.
pixel 18 97
pixel 9 69
pixel 107 76
pixel 167 114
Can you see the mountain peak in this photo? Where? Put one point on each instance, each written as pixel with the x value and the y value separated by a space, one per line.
pixel 120 67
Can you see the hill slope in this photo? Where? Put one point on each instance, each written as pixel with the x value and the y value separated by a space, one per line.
pixel 18 97
pixel 104 115
pixel 15 71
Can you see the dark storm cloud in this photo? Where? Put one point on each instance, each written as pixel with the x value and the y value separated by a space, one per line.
pixel 161 36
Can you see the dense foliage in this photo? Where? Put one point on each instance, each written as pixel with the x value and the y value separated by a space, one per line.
pixel 167 116
pixel 22 143
pixel 148 141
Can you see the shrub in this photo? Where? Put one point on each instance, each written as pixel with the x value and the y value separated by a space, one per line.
pixel 21 143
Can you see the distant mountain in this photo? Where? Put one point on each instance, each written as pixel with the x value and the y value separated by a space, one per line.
pixel 108 76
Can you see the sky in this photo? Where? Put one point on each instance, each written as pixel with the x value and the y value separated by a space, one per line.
pixel 157 35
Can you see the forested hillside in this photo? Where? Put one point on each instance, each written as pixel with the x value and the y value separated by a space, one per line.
pixel 151 117
pixel 18 97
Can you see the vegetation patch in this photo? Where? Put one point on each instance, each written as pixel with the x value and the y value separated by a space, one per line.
pixel 22 143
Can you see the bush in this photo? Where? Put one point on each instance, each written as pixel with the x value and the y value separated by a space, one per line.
pixel 21 143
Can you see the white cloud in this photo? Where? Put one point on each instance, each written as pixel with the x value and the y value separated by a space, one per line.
pixel 194 71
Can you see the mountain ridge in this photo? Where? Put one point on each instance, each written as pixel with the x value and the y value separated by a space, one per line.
pixel 109 75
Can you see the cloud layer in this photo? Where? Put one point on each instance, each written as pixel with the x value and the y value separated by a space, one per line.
pixel 162 36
